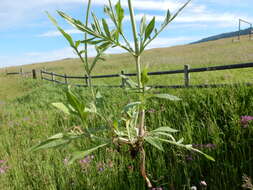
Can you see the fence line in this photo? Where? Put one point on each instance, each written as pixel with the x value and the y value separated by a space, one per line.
pixel 186 71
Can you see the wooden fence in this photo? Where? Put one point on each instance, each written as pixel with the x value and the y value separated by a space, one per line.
pixel 186 73
pixel 22 73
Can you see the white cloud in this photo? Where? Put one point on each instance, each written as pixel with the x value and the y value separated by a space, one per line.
pixel 23 11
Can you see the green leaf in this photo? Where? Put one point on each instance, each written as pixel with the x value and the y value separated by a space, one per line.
pixel 131 105
pixel 154 142
pixel 96 23
pixel 77 24
pixel 98 95
pixel 143 25
pixel 188 147
pixel 67 36
pixel 120 15
pixel 82 52
pixel 80 154
pixel 91 109
pixel 150 28
pixel 103 47
pixel 62 107
pixel 165 96
pixel 180 141
pixel 108 12
pixel 167 18
pixel 106 28
pixel 129 82
pixel 77 43
pixel 159 133
pixel 207 156
pixel 77 105
pixel 144 77
pixel 165 129
pixel 52 142
pixel 115 35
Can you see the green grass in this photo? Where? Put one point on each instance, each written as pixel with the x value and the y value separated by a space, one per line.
pixel 203 116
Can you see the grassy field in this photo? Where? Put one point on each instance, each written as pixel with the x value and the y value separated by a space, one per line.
pixel 207 118
pixel 212 53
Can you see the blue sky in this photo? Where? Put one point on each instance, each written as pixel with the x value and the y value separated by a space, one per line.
pixel 27 36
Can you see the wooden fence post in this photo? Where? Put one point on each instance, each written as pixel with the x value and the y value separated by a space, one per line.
pixel 21 71
pixel 66 78
pixel 86 80
pixel 53 77
pixel 186 76
pixel 34 74
pixel 123 81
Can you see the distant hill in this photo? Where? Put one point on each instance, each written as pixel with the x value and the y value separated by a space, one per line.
pixel 224 35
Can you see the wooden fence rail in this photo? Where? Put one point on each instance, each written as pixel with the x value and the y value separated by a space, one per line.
pixel 186 71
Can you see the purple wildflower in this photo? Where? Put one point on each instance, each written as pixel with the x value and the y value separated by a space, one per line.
pixel 3 169
pixel 245 120
pixel 151 111
pixel 130 168
pixel 203 183
pixel 157 188
pixel 2 161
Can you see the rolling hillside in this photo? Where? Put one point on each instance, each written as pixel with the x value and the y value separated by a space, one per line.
pixel 219 52
pixel 224 35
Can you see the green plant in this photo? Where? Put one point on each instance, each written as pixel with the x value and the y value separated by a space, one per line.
pixel 130 129
pixel 83 53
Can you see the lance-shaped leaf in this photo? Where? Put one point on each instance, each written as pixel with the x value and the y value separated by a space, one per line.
pixel 66 35
pixel 131 106
pixel 129 82
pixel 119 14
pixel 188 147
pixel 78 24
pixel 150 28
pixel 165 129
pixel 74 102
pixel 165 96
pixel 159 133
pixel 154 142
pixel 144 76
pixel 143 25
pixel 55 141
pixel 80 154
pixel 106 28
pixel 96 23
pixel 108 12
pixel 167 18
pixel 62 107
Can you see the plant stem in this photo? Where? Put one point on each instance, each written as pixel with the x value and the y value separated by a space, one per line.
pixel 138 70
pixel 136 43
pixel 85 34
pixel 86 49
pixel 133 23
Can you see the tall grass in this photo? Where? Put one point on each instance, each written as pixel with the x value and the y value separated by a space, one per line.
pixel 204 117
